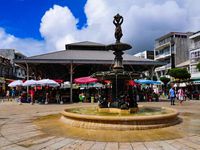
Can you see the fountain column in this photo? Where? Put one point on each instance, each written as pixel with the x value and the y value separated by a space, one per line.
pixel 118 84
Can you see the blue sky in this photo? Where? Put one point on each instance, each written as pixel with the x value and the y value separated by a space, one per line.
pixel 22 17
pixel 41 26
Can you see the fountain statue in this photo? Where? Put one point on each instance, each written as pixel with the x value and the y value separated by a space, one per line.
pixel 117 75
pixel 118 20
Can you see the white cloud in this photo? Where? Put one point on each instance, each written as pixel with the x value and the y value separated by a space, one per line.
pixel 28 46
pixel 144 20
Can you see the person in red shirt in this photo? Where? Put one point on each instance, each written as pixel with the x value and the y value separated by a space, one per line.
pixel 32 93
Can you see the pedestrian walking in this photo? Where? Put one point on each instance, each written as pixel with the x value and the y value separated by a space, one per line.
pixel 8 95
pixel 172 95
pixel 181 95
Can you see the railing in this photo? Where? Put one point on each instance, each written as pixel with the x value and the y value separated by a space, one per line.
pixel 195 48
pixel 168 66
pixel 195 60
pixel 162 55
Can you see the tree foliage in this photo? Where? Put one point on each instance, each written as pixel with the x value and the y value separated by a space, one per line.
pixel 165 80
pixel 179 73
pixel 198 66
pixel 155 78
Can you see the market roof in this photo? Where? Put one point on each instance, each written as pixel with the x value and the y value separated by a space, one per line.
pixel 85 45
pixel 89 56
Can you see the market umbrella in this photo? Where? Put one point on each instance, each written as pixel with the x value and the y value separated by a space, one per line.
pixel 47 82
pixel 85 80
pixel 16 83
pixel 142 81
pixel 30 83
pixel 157 82
pixel 67 85
pixel 98 85
pixel 182 85
pixel 91 85
pixel 133 83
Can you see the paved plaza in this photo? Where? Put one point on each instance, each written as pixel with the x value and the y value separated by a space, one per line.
pixel 18 132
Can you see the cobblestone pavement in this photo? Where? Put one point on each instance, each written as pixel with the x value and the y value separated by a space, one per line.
pixel 17 130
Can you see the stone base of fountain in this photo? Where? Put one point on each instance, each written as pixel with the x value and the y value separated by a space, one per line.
pixel 123 120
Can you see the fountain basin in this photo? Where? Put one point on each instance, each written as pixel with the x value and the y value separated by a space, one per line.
pixel 162 117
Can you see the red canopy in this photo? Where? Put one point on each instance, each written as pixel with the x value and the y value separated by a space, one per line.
pixel 107 81
pixel 133 83
pixel 58 80
pixel 85 80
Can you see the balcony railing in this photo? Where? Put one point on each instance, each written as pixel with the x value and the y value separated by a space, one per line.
pixel 192 48
pixel 165 67
pixel 163 55
pixel 195 60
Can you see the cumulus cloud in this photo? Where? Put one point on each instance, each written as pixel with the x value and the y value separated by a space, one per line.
pixel 28 46
pixel 144 21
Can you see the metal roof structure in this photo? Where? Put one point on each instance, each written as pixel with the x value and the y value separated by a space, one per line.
pixel 77 53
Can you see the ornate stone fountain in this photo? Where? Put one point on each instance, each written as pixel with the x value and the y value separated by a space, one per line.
pixel 118 114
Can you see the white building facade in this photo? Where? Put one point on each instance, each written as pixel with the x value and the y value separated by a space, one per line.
pixel 11 54
pixel 145 55
pixel 194 50
pixel 172 49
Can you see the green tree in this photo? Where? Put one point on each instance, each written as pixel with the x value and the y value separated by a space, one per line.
pixel 179 73
pixel 198 66
pixel 165 80
pixel 155 78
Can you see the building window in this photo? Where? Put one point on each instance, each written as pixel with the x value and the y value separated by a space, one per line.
pixel 195 54
pixel 193 69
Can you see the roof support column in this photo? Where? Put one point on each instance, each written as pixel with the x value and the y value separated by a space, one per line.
pixel 71 82
pixel 151 72
pixel 27 76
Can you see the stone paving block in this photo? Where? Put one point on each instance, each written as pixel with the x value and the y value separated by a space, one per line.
pixel 169 141
pixel 112 146
pixel 180 146
pixel 59 144
pixel 125 146
pixel 13 147
pixel 17 131
pixel 45 144
pixel 21 137
pixel 195 139
pixel 138 146
pixel 165 145
pixel 86 145
pixel 4 142
pixel 98 146
pixel 74 144
pixel 35 141
pixel 190 144
pixel 152 146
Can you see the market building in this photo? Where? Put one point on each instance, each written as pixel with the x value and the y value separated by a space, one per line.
pixel 78 60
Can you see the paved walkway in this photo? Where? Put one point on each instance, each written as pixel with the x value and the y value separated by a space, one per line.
pixel 17 132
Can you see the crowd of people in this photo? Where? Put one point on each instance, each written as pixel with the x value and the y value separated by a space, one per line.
pixel 45 95
pixel 178 94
